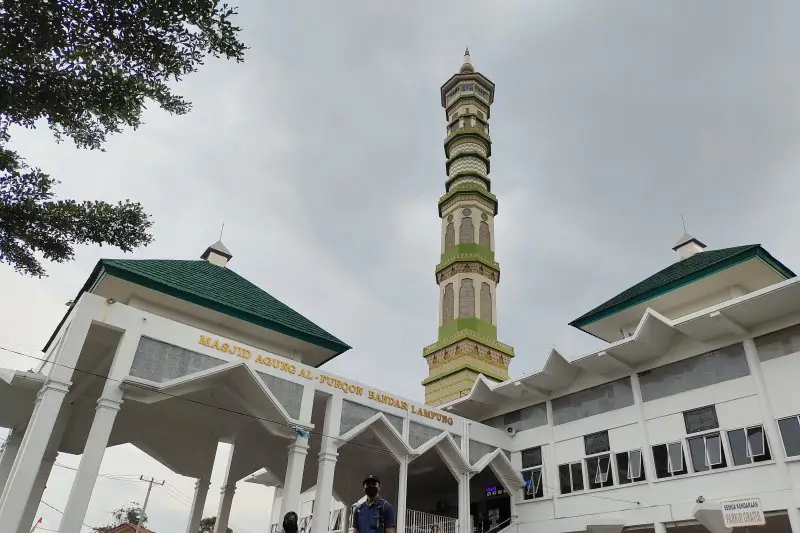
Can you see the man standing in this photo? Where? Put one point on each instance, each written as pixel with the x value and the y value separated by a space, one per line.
pixel 375 515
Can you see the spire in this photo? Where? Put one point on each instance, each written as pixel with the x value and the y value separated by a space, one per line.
pixel 466 65
pixel 687 246
pixel 217 254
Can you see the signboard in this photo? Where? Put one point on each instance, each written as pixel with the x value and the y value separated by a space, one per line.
pixel 494 490
pixel 743 513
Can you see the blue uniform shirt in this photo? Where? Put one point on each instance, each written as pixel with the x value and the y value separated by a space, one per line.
pixel 369 516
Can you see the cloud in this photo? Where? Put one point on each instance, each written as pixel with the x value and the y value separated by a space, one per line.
pixel 322 155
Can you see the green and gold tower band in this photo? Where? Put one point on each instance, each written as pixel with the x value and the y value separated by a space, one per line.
pixel 467 273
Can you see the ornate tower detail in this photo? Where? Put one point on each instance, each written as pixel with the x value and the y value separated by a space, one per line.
pixel 467 273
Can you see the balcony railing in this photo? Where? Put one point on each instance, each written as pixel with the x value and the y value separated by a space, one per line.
pixel 416 522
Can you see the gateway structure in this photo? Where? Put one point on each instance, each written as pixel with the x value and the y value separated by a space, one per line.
pixel 687 420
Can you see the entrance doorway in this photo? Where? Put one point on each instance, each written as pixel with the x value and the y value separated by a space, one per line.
pixel 491 504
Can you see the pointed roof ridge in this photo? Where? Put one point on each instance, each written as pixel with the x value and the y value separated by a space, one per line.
pixel 685 239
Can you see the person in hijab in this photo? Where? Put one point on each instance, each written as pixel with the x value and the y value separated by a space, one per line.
pixel 290 522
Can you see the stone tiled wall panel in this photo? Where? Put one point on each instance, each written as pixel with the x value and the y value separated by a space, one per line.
pixel 159 362
pixel 354 414
pixel 478 450
pixel 419 434
pixel 468 146
pixel 288 393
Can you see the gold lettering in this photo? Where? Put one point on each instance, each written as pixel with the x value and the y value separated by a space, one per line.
pixel 205 341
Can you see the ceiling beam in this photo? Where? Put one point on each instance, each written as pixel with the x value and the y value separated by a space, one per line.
pixel 728 323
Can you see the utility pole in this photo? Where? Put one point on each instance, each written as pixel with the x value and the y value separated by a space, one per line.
pixel 150 483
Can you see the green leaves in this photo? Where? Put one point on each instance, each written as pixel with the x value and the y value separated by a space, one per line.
pixel 88 68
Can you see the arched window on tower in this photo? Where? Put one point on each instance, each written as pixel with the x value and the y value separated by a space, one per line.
pixel 466 298
pixel 449 236
pixel 466 232
pixel 484 237
pixel 486 303
pixel 448 304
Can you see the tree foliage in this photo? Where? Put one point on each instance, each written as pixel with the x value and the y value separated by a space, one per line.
pixel 88 68
pixel 131 514
pixel 207 525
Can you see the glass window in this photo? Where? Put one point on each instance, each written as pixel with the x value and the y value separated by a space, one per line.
pixel 532 472
pixel 596 443
pixel 790 433
pixel 630 467
pixel 532 457
pixel 512 418
pixel 598 469
pixel 669 460
pixel 570 477
pixel 748 445
pixel 701 419
pixel 707 453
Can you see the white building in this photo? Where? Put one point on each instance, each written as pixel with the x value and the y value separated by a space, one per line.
pixel 690 406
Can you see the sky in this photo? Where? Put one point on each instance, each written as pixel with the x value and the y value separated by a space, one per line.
pixel 322 155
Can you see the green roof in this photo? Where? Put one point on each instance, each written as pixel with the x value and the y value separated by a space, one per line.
pixel 220 289
pixel 678 274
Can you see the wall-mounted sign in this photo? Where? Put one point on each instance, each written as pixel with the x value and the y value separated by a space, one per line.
pixel 743 513
pixel 494 490
pixel 290 367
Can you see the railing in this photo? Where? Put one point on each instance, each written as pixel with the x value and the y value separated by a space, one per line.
pixel 492 529
pixel 416 522
pixel 419 522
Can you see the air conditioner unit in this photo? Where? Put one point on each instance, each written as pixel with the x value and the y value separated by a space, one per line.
pixel 511 431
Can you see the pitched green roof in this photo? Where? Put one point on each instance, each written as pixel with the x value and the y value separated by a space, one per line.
pixel 695 267
pixel 220 289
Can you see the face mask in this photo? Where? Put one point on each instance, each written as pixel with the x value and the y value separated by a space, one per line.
pixel 371 492
pixel 290 526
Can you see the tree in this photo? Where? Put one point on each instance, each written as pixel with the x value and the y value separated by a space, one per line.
pixel 88 69
pixel 125 515
pixel 207 525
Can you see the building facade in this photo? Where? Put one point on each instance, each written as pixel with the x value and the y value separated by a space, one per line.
pixel 687 420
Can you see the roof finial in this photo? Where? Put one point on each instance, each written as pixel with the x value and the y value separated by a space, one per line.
pixel 466 65
pixel 684 223
pixel 220 231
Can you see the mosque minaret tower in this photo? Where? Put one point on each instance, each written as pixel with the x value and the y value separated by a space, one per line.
pixel 467 273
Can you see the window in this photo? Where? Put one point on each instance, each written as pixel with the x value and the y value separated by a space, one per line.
pixel 630 467
pixel 448 304
pixel 449 236
pixel 466 231
pixel 701 419
pixel 669 459
pixel 707 452
pixel 466 298
pixel 484 236
pixel 596 443
pixel 598 469
pixel 748 445
pixel 486 302
pixel 790 433
pixel 532 472
pixel 570 477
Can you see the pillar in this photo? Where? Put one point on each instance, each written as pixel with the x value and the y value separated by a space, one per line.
pixel 794 518
pixel 647 464
pixel 29 516
pixel 23 474
pixel 464 521
pixel 293 482
pixel 201 487
pixel 328 454
pixel 86 476
pixel 9 455
pixel 224 511
pixel 660 527
pixel 770 423
pixel 402 493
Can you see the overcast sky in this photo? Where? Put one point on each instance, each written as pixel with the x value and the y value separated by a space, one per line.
pixel 322 155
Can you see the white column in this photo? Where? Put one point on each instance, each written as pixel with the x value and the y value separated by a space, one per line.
pixel 660 527
pixel 201 487
pixel 26 466
pixel 293 482
pixel 464 523
pixel 224 511
pixel 29 516
pixel 10 450
pixel 86 476
pixel 402 493
pixel 649 468
pixel 770 423
pixel 794 518
pixel 328 453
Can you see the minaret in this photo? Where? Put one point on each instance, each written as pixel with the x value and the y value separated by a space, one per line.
pixel 467 273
